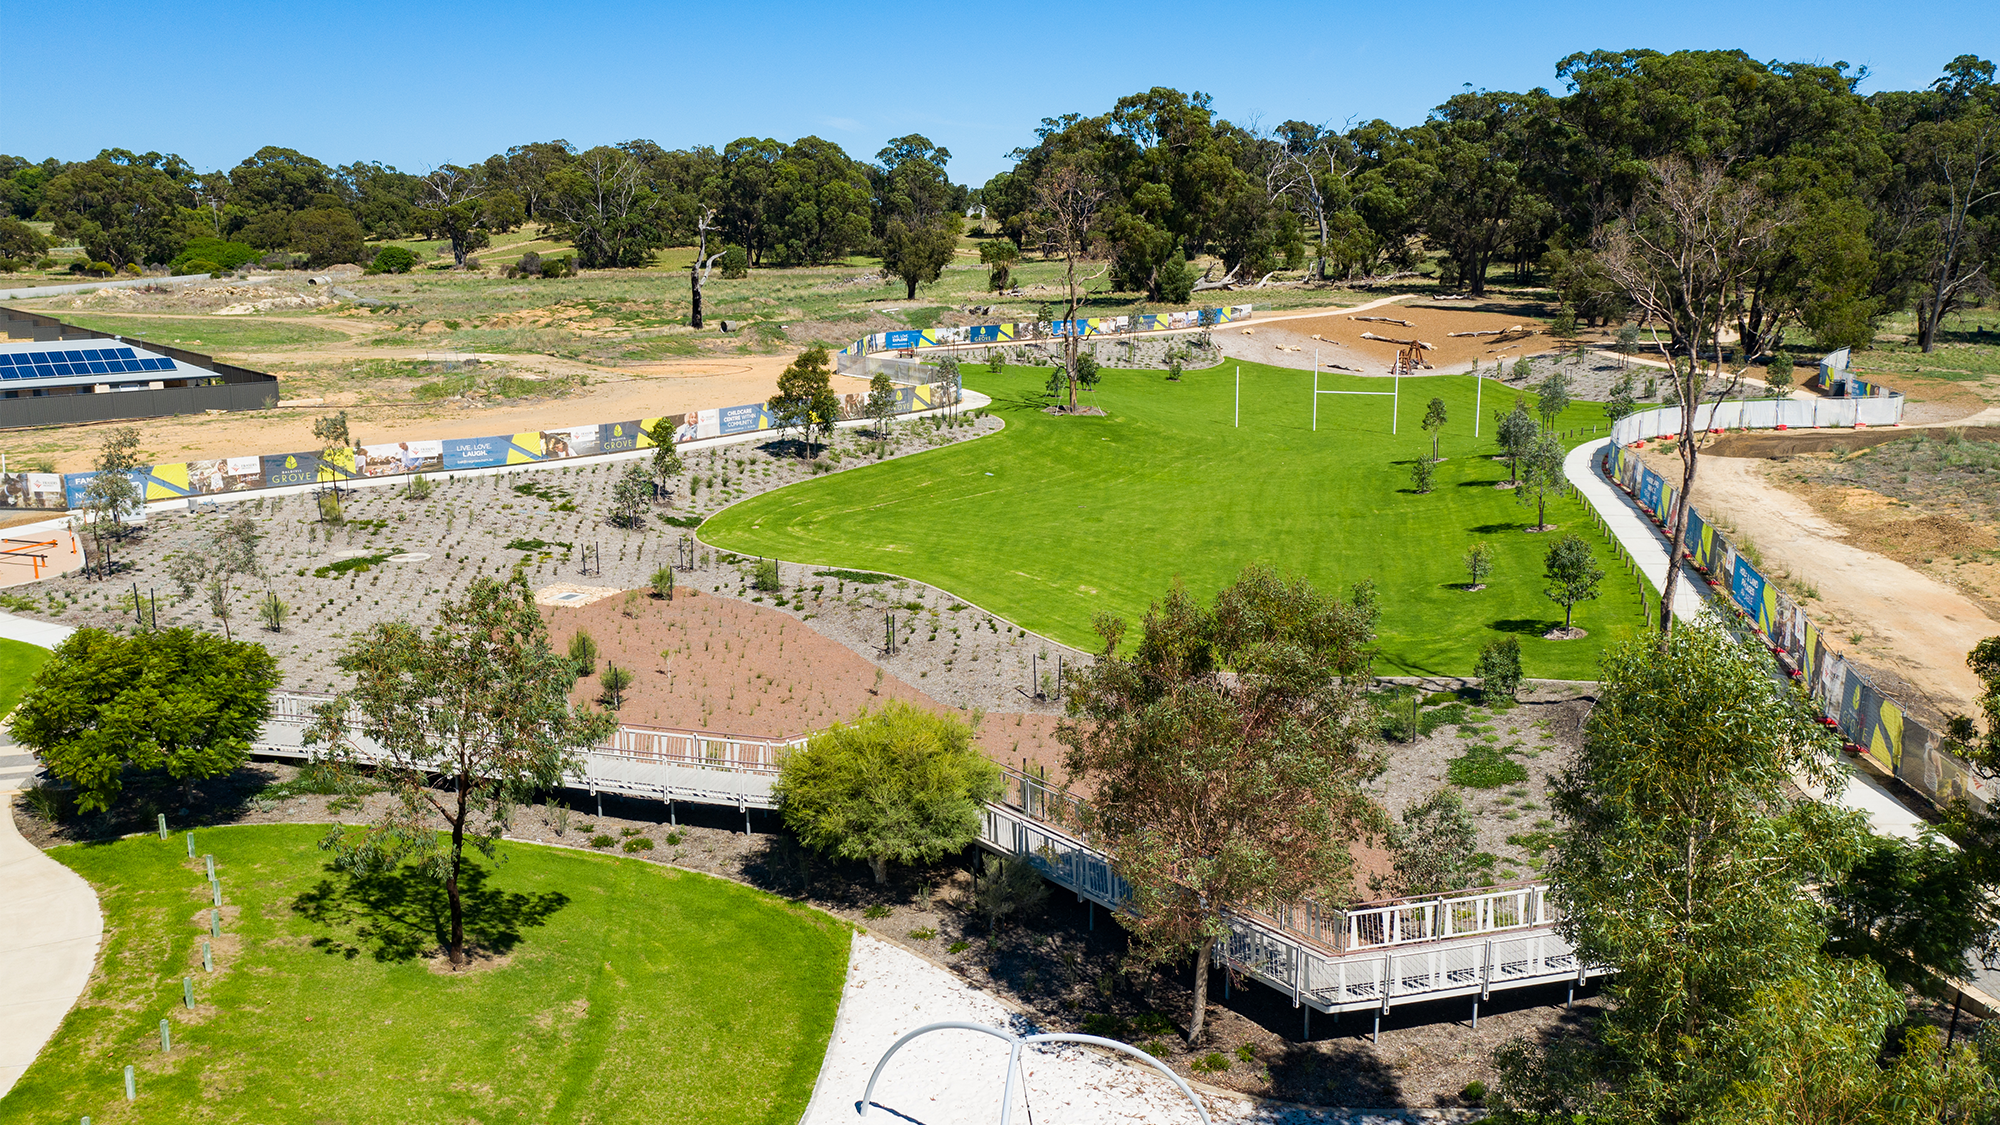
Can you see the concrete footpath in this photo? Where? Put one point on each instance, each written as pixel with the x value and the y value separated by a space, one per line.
pixel 50 925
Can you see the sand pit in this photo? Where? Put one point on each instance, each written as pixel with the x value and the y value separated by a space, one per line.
pixel 1288 341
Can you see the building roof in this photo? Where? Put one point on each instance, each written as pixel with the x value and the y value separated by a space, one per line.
pixel 43 364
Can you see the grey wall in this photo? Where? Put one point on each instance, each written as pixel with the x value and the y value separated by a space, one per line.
pixel 60 410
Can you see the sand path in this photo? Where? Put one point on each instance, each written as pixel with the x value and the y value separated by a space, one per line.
pixel 1910 623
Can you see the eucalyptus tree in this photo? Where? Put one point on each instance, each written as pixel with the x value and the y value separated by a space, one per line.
pixel 1226 753
pixel 471 718
pixel 1683 252
pixel 1686 863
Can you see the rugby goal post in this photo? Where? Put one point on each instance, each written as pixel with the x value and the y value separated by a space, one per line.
pixel 1395 407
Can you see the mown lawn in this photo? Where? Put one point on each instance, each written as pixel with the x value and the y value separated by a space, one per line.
pixel 1055 519
pixel 18 663
pixel 621 991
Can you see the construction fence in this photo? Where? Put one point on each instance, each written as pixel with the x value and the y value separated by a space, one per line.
pixel 1869 720
pixel 856 358
pixel 217 476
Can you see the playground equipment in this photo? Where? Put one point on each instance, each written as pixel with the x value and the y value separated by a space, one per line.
pixel 1411 356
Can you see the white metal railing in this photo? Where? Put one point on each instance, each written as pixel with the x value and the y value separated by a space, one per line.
pixel 1329 958
pixel 740 753
pixel 1446 918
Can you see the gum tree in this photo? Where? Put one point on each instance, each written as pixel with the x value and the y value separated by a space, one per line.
pixel 1434 420
pixel 471 718
pixel 805 400
pixel 1541 476
pixel 1687 863
pixel 1226 753
pixel 1691 242
pixel 666 463
pixel 1573 575
pixel 112 494
pixel 1517 435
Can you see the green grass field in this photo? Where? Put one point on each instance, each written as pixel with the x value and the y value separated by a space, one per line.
pixel 217 333
pixel 18 662
pixel 1054 519
pixel 627 992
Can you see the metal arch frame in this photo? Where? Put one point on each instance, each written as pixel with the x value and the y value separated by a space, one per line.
pixel 1015 1043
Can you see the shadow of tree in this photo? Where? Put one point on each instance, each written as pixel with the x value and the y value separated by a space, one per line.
pixel 398 915
pixel 1525 625
pixel 1495 528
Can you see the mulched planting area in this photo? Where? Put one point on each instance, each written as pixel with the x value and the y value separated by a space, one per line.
pixel 395 556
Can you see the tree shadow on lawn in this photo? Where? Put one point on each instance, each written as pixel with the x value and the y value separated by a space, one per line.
pixel 401 914
pixel 1496 528
pixel 1526 626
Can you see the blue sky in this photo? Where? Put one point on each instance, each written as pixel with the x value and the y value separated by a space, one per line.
pixel 415 84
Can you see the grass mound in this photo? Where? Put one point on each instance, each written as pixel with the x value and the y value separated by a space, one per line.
pixel 605 990
pixel 1055 519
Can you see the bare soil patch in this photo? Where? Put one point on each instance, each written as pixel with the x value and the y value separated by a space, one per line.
pixel 1906 626
pixel 1764 444
pixel 1290 342
pixel 719 663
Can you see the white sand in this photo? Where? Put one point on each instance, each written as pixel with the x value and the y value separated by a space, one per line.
pixel 953 1077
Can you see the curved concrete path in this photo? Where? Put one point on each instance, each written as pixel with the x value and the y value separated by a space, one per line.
pixel 50 925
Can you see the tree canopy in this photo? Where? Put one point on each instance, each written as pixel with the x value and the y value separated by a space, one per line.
pixel 1226 751
pixel 478 703
pixel 176 700
pixel 898 785
pixel 1686 864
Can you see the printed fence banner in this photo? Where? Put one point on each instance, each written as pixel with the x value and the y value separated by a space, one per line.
pixel 394 458
pixel 282 470
pixel 989 334
pixel 907 338
pixel 698 424
pixel 575 441
pixel 1649 492
pixel 617 437
pixel 74 484
pixel 39 491
pixel 745 419
pixel 476 453
pixel 911 339
pixel 225 474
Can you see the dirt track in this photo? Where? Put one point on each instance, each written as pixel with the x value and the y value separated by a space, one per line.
pixel 1910 624
pixel 1288 340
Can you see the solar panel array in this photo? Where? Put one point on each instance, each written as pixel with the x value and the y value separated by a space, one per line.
pixel 73 362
